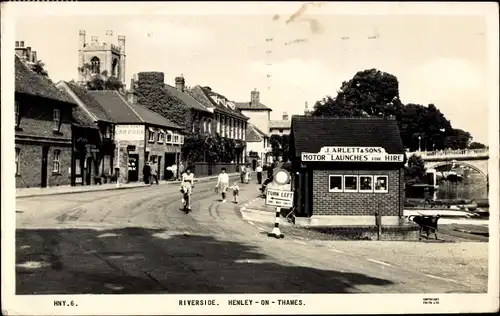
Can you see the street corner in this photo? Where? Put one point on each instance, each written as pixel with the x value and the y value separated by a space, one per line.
pixel 256 210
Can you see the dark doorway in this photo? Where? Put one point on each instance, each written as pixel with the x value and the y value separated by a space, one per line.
pixel 45 156
pixel 169 162
pixel 133 171
pixel 88 171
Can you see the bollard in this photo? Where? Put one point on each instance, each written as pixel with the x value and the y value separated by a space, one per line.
pixel 276 230
pixel 378 223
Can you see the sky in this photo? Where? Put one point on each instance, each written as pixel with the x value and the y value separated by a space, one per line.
pixel 437 58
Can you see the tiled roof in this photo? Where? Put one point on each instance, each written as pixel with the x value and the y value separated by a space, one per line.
pixel 311 133
pixel 250 106
pixel 203 95
pixel 152 117
pixel 92 105
pixel 28 82
pixel 253 134
pixel 280 124
pixel 186 98
pixel 82 119
pixel 121 111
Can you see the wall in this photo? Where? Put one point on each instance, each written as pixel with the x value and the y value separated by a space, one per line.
pixel 259 119
pixel 30 165
pixel 203 169
pixel 355 204
pixel 259 148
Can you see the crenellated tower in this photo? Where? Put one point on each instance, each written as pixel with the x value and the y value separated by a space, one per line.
pixel 101 57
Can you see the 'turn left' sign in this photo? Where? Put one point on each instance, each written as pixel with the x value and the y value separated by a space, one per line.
pixel 129 132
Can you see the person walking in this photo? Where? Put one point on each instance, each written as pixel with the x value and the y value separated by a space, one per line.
pixel 247 174
pixel 242 173
pixel 222 184
pixel 259 173
pixel 146 173
pixel 154 173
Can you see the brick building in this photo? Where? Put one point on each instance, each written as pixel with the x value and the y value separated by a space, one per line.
pixel 43 123
pixel 93 138
pixel 141 136
pixel 347 169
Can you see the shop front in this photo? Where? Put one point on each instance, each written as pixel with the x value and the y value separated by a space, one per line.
pixel 348 170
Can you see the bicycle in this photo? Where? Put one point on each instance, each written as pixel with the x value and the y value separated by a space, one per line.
pixel 186 197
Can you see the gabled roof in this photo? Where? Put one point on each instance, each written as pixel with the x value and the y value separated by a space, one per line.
pixel 280 124
pixel 204 96
pixel 248 106
pixel 29 82
pixel 185 98
pixel 253 134
pixel 92 105
pixel 310 133
pixel 82 119
pixel 121 111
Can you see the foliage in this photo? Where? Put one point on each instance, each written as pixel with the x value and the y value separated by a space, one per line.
pixel 375 93
pixel 39 68
pixel 280 146
pixel 99 81
pixel 415 169
pixel 211 149
pixel 476 145
pixel 152 94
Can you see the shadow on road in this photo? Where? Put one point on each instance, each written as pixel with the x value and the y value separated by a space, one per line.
pixel 155 261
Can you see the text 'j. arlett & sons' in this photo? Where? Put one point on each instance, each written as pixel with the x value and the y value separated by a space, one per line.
pixel 352 154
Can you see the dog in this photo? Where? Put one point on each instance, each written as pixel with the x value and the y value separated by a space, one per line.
pixel 427 223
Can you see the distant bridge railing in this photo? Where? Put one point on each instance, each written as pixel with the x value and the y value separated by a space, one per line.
pixel 451 154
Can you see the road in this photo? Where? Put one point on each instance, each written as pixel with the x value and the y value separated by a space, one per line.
pixel 139 241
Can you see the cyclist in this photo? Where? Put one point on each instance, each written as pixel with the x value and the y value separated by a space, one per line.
pixel 187 184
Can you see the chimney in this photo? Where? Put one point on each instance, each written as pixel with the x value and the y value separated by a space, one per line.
pixel 20 50
pixel 254 97
pixel 180 83
pixel 28 54
pixel 285 116
pixel 94 39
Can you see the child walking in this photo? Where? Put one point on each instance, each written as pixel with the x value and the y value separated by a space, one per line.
pixel 236 192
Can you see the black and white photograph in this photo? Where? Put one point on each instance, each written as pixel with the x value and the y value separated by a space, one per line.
pixel 249 158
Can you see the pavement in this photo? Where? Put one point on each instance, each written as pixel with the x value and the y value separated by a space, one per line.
pixel 138 241
pixel 66 189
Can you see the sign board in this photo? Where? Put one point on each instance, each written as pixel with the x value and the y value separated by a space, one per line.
pixel 281 177
pixel 279 198
pixel 130 132
pixel 352 154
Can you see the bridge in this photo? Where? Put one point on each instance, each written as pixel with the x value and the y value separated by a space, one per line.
pixel 475 159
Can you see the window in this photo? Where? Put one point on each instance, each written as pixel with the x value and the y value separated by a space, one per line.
pixel 16 113
pixel 205 128
pixel 176 139
pixel 95 65
pixel 335 183
pixel 169 137
pixel 381 184
pixel 209 126
pixel 151 136
pixel 18 151
pixel 365 183
pixel 350 183
pixel 280 131
pixel 56 164
pixel 160 137
pixel 217 118
pixel 181 139
pixel 57 120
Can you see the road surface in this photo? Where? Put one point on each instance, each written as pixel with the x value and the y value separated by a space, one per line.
pixel 139 241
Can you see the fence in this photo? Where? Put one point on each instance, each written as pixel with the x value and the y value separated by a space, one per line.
pixel 201 169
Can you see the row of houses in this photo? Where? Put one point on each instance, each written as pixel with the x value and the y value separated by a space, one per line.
pixel 66 134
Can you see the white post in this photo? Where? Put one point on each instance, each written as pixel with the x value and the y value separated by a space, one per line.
pixel 118 164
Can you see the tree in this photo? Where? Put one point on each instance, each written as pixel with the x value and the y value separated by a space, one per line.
pixel 39 68
pixel 459 139
pixel 476 145
pixel 280 146
pixel 416 169
pixel 99 81
pixel 369 93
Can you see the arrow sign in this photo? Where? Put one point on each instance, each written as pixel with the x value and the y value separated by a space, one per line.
pixel 279 198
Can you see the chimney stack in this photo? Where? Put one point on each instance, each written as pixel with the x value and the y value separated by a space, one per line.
pixel 180 83
pixel 33 56
pixel 28 54
pixel 285 116
pixel 254 97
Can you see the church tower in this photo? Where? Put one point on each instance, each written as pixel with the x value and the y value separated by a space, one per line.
pixel 95 57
